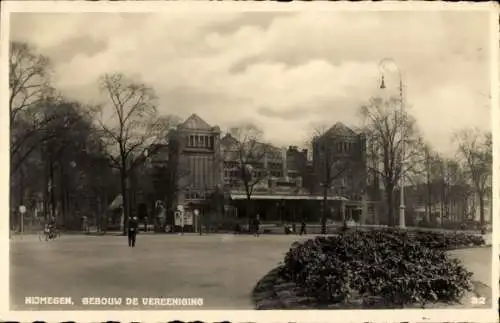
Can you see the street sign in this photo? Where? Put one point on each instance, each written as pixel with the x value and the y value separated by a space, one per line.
pixel 22 209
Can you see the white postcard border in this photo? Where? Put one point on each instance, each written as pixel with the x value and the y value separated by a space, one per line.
pixel 465 315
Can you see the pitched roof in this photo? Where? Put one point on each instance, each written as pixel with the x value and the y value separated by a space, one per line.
pixel 228 143
pixel 340 129
pixel 195 122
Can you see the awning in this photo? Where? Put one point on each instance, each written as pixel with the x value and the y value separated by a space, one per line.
pixel 286 197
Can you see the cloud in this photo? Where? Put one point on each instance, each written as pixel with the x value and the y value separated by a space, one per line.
pixel 280 70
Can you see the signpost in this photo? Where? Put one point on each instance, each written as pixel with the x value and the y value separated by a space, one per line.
pixel 22 210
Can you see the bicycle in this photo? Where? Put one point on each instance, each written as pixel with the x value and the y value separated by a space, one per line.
pixel 49 234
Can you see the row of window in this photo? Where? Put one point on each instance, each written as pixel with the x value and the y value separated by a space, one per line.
pixel 196 195
pixel 274 165
pixel 256 174
pixel 341 147
pixel 274 155
pixel 200 141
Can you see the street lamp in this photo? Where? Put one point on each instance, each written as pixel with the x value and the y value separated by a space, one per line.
pixel 198 219
pixel 382 65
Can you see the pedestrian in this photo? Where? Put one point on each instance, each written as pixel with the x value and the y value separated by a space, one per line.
pixel 303 229
pixel 132 231
pixel 146 223
pixel 257 225
pixel 85 224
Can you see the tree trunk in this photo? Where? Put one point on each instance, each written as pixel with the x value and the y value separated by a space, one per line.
pixel 248 212
pixel 324 210
pixel 481 209
pixel 62 194
pixel 343 214
pixel 429 200
pixel 52 193
pixel 105 211
pixel 390 205
pixel 21 195
pixel 123 181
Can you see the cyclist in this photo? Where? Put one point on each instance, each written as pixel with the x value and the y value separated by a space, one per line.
pixel 51 226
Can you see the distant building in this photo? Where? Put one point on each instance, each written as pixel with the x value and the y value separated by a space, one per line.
pixel 296 163
pixel 339 167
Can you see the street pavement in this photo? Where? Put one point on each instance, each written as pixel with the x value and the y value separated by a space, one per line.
pixel 221 269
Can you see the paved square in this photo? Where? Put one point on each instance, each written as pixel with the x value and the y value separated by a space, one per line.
pixel 221 269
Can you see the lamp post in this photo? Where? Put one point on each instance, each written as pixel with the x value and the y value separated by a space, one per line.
pixel 197 218
pixel 382 66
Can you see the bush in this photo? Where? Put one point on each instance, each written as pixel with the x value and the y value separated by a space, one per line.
pixel 447 241
pixel 388 268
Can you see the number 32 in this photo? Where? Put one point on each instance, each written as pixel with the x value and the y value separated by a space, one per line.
pixel 478 300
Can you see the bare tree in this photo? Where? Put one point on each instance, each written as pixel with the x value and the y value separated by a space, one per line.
pixel 129 124
pixel 476 154
pixel 432 163
pixel 396 141
pixel 248 151
pixel 174 173
pixel 453 188
pixel 28 78
pixel 334 168
pixel 30 96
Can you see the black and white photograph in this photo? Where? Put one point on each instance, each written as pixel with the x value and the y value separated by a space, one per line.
pixel 209 159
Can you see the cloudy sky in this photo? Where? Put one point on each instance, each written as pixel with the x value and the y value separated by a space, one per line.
pixel 283 71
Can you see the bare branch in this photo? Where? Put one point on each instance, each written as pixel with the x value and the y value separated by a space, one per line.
pixel 28 78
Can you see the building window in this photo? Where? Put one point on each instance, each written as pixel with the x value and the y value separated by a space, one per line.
pixel 211 142
pixel 191 141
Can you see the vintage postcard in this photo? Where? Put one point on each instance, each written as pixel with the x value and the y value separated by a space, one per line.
pixel 200 161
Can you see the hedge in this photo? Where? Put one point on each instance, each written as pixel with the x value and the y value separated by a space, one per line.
pixel 383 268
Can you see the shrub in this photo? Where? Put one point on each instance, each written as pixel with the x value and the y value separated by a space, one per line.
pixel 394 268
pixel 448 241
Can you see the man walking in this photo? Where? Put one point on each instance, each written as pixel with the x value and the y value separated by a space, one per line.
pixel 303 227
pixel 132 231
pixel 257 225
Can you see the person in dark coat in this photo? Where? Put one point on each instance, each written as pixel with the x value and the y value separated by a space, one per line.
pixel 257 225
pixel 303 229
pixel 132 231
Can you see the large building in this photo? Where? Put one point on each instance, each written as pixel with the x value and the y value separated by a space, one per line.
pixel 283 184
pixel 339 168
pixel 195 146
